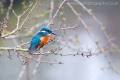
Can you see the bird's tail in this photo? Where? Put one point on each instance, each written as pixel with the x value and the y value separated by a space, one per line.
pixel 32 49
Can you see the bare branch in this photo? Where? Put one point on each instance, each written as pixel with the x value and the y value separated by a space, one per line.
pixel 56 12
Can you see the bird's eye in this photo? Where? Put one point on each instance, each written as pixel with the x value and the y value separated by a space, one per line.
pixel 47 31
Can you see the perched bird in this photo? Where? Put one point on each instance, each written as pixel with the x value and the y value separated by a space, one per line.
pixel 40 39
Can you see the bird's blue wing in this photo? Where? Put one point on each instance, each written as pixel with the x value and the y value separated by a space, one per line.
pixel 35 41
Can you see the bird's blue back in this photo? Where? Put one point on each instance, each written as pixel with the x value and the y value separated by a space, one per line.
pixel 35 41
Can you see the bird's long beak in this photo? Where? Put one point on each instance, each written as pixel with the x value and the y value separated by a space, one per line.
pixel 54 33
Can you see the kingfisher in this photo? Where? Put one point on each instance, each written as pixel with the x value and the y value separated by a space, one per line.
pixel 40 39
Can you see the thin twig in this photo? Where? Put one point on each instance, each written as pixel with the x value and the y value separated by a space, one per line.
pixel 56 13
pixel 51 9
pixel 9 8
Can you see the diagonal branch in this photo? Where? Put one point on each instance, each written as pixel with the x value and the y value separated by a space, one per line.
pixel 100 25
pixel 56 12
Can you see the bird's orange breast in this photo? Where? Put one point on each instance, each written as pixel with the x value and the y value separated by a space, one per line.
pixel 44 40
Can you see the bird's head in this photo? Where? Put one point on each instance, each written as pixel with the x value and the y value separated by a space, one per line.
pixel 46 30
